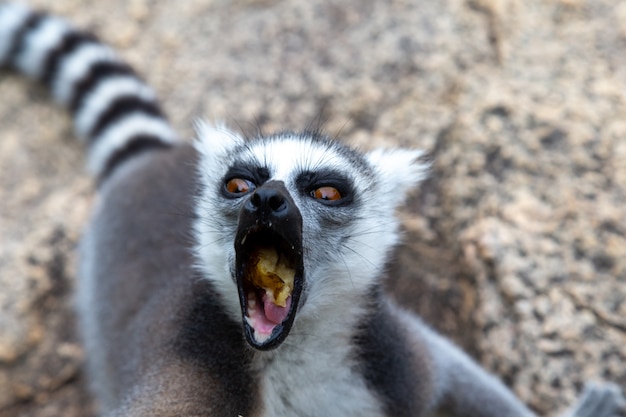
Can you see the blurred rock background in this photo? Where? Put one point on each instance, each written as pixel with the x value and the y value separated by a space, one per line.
pixel 516 245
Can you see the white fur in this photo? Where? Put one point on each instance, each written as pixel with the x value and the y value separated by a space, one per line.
pixel 215 252
pixel 398 169
pixel 107 90
pixel 76 65
pixel 116 137
pixel 11 17
pixel 215 264
pixel 38 42
pixel 214 141
pixel 314 370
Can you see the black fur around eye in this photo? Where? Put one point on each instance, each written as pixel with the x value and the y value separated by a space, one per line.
pixel 241 179
pixel 328 187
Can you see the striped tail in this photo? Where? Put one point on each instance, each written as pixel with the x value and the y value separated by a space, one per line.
pixel 114 111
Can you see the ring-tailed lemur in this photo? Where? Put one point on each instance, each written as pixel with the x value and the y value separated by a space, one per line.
pixel 241 277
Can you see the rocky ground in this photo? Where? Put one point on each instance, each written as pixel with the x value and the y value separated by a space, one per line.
pixel 515 246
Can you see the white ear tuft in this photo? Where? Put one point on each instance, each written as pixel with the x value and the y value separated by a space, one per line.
pixel 215 139
pixel 399 170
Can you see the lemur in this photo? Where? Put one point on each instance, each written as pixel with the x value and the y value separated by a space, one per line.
pixel 242 277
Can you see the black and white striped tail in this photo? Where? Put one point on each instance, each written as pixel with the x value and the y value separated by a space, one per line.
pixel 114 111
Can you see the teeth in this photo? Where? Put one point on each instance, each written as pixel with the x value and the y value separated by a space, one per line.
pixel 251 300
pixel 270 295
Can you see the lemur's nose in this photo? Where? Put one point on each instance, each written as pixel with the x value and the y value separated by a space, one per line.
pixel 271 200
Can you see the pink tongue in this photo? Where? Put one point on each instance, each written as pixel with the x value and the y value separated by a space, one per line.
pixel 275 314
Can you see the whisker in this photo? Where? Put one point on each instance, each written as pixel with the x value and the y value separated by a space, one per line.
pixel 358 254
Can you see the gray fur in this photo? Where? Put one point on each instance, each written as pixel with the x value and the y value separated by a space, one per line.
pixel 139 291
pixel 159 299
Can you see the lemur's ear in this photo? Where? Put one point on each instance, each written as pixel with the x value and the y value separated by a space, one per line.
pixel 215 139
pixel 214 142
pixel 400 171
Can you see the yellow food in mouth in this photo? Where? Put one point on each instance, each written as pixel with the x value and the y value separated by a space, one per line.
pixel 270 272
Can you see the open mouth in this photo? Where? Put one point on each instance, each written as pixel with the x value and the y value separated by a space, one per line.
pixel 269 280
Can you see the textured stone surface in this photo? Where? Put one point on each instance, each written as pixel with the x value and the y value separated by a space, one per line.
pixel 516 246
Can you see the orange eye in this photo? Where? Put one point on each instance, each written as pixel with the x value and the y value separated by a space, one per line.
pixel 326 193
pixel 239 186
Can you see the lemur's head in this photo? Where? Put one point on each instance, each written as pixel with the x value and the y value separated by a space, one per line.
pixel 295 223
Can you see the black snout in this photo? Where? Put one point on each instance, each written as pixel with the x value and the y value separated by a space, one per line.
pixel 269 219
pixel 271 209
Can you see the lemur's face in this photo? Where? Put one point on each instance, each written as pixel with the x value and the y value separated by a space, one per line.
pixel 296 224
